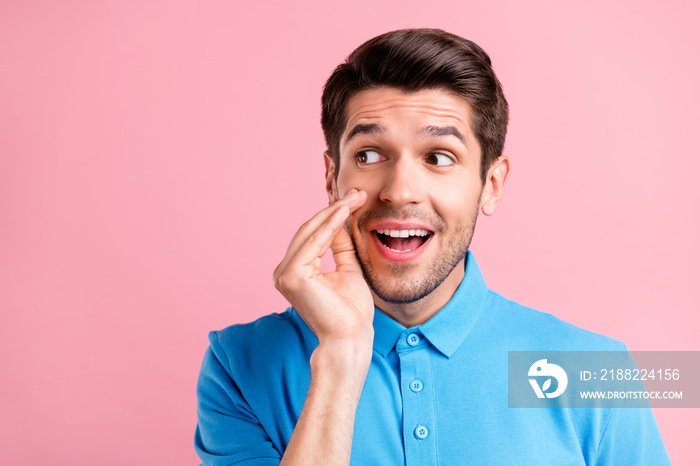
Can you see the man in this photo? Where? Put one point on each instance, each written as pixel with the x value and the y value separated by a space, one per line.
pixel 400 355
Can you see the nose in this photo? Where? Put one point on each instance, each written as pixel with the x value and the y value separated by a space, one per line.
pixel 402 185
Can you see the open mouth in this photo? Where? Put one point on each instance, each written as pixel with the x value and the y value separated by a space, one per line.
pixel 402 240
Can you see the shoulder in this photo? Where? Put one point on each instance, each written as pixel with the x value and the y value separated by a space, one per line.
pixel 270 338
pixel 282 325
pixel 528 327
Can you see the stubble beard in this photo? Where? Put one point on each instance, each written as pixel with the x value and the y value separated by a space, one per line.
pixel 397 287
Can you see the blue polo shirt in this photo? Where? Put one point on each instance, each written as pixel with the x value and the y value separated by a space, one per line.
pixel 436 393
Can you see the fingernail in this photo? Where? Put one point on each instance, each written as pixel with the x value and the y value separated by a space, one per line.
pixel 350 193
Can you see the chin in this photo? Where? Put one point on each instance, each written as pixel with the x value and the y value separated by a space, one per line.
pixel 397 283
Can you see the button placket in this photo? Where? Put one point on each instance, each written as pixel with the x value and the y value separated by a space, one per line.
pixel 420 441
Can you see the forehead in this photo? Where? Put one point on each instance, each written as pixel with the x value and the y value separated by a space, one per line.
pixel 387 106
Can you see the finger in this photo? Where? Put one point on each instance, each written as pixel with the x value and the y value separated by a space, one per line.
pixel 353 199
pixel 300 264
pixel 356 205
pixel 318 242
pixel 344 253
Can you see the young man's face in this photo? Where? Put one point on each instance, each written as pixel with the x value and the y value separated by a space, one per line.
pixel 418 160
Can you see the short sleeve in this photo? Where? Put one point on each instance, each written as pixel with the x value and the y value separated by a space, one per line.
pixel 228 432
pixel 632 437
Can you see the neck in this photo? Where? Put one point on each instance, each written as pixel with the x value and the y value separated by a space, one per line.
pixel 420 311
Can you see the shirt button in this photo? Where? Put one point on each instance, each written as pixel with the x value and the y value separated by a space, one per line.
pixel 413 339
pixel 420 432
pixel 416 386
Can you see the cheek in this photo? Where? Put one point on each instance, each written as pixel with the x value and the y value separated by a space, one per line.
pixel 349 178
pixel 455 203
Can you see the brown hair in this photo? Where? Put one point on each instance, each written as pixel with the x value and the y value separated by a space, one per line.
pixel 412 60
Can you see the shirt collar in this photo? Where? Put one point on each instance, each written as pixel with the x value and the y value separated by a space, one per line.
pixel 448 328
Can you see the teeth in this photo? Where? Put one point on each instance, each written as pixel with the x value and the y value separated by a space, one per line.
pixel 402 233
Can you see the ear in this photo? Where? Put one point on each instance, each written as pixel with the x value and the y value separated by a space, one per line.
pixel 331 187
pixel 495 185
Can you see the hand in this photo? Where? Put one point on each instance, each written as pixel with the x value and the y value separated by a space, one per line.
pixel 335 305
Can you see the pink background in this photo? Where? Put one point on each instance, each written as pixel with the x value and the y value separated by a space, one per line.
pixel 157 156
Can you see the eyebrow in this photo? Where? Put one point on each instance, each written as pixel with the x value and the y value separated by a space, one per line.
pixel 373 129
pixel 368 128
pixel 442 131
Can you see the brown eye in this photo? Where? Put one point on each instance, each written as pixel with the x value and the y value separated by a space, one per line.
pixel 368 157
pixel 440 160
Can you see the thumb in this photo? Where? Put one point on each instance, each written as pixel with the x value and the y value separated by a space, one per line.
pixel 344 252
